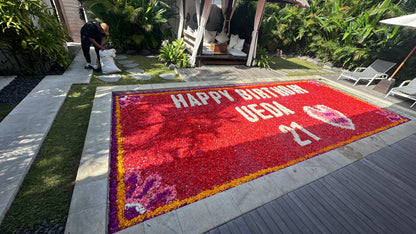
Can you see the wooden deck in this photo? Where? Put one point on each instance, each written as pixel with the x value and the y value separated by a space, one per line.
pixel 376 194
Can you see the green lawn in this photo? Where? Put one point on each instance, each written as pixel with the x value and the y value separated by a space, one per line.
pixel 5 110
pixel 45 194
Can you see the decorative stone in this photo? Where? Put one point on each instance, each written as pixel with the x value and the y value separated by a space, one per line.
pixel 144 52
pixel 168 76
pixel 125 61
pixel 141 76
pixel 135 70
pixel 131 65
pixel 120 57
pixel 172 66
pixel 151 56
pixel 110 78
pixel 131 52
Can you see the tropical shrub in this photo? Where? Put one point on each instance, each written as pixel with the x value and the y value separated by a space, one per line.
pixel 345 32
pixel 134 24
pixel 174 53
pixel 243 19
pixel 31 36
pixel 263 58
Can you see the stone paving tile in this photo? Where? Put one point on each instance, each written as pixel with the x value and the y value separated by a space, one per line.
pixel 110 78
pixel 130 65
pixel 142 76
pixel 24 129
pixel 120 57
pixel 168 76
pixel 135 70
pixel 125 62
pixel 5 80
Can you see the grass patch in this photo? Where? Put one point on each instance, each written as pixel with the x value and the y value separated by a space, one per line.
pixel 300 67
pixel 46 191
pixel 5 110
pixel 151 66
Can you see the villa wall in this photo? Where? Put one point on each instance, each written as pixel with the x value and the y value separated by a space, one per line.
pixel 70 12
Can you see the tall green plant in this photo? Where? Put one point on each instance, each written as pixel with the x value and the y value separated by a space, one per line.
pixel 346 32
pixel 174 53
pixel 31 34
pixel 263 58
pixel 134 24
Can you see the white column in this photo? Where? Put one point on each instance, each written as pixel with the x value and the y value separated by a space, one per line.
pixel 201 29
pixel 181 19
pixel 254 34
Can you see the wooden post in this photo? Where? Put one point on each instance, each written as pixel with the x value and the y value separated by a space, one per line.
pixel 411 52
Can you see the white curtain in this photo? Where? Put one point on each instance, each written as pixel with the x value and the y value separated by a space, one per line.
pixel 201 29
pixel 198 10
pixel 255 33
pixel 227 19
pixel 181 19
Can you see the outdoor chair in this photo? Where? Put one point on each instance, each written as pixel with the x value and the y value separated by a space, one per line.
pixel 406 89
pixel 376 71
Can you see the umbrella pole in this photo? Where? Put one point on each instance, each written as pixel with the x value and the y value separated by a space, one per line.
pixel 414 48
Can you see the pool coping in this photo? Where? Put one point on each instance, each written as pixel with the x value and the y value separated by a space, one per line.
pixel 89 206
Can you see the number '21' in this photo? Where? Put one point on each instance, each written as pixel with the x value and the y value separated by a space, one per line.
pixel 296 138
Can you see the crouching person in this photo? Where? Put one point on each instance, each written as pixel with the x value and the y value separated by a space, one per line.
pixel 93 33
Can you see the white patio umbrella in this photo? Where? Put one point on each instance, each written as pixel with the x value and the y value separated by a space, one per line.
pixel 406 20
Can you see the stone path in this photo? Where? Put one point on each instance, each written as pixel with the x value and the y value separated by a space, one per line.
pixel 226 73
pixel 5 80
pixel 24 129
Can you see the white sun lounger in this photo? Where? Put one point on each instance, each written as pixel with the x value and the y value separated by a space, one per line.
pixel 406 89
pixel 376 71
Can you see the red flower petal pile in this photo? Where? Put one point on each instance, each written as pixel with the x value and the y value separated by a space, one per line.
pixel 173 148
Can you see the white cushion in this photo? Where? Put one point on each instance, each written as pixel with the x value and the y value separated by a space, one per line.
pixel 237 53
pixel 107 62
pixel 209 36
pixel 240 44
pixel 222 38
pixel 233 41
pixel 190 31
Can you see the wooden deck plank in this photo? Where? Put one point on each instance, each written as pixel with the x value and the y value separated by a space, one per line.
pixel 268 220
pixel 320 212
pixel 261 224
pixel 224 229
pixel 406 145
pixel 285 217
pixel 362 200
pixel 397 179
pixel 344 195
pixel 271 210
pixel 250 223
pixel 396 161
pixel 239 226
pixel 388 209
pixel 300 217
pixel 318 224
pixel 331 210
pixel 350 221
pixel 293 213
pixel 376 194
pixel 383 188
pixel 395 190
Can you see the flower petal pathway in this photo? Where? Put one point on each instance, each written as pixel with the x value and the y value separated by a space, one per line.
pixel 173 148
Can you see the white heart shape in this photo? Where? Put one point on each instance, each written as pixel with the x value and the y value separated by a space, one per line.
pixel 329 116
